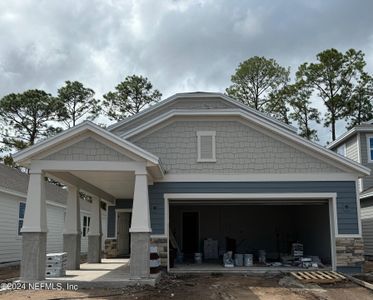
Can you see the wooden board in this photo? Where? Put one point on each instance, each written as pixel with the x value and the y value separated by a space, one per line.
pixel 318 276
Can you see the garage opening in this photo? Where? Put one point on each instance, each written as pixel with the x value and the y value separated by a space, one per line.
pixel 283 234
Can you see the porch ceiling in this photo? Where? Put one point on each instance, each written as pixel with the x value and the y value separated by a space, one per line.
pixel 118 184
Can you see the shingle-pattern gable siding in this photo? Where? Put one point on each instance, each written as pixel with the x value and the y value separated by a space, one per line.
pixel 182 103
pixel 367 180
pixel 239 149
pixel 88 149
pixel 346 197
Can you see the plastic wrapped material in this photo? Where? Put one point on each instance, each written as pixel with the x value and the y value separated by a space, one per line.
pixel 228 260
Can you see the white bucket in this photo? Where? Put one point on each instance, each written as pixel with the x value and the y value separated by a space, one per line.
pixel 238 260
pixel 198 258
pixel 248 260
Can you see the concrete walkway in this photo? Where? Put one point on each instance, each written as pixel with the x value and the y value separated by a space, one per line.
pixel 110 273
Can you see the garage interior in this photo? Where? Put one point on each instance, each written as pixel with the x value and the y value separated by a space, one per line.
pixel 248 227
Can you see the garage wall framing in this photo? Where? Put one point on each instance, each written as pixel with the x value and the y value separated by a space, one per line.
pixel 330 197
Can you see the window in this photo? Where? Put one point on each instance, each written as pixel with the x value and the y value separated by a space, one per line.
pixel 21 215
pixel 370 148
pixel 86 221
pixel 206 146
pixel 341 150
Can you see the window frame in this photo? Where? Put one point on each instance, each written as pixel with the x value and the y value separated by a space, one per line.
pixel 87 226
pixel 19 233
pixel 369 149
pixel 211 134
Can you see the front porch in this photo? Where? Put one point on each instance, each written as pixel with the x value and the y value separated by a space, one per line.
pixel 88 159
pixel 110 273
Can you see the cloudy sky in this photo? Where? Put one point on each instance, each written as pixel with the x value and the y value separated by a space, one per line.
pixel 178 45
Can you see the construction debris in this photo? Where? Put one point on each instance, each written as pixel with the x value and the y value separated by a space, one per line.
pixel 56 264
pixel 228 260
pixel 297 249
pixel 318 276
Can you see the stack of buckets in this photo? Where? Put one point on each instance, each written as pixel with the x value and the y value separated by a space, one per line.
pixel 155 261
pixel 241 260
pixel 198 258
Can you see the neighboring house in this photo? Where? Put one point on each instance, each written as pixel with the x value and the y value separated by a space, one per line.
pixel 357 144
pixel 198 166
pixel 13 192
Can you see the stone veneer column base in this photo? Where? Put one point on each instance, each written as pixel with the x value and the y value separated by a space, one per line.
pixel 71 245
pixel 34 250
pixel 140 255
pixel 350 252
pixel 111 248
pixel 161 244
pixel 94 249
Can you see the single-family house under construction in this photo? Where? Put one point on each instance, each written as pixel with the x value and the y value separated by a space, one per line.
pixel 357 144
pixel 196 166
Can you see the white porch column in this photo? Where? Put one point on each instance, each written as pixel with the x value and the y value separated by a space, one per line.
pixel 140 228
pixel 34 230
pixel 94 234
pixel 71 233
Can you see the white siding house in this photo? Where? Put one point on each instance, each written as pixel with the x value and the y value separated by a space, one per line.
pixel 13 190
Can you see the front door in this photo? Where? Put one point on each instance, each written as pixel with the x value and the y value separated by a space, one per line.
pixel 190 233
pixel 123 235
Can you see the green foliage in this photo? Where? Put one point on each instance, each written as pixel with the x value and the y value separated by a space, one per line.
pixel 360 107
pixel 277 105
pixel 130 96
pixel 79 102
pixel 255 80
pixel 302 111
pixel 332 76
pixel 26 117
pixel 8 161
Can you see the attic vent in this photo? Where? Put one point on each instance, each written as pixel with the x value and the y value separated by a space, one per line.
pixel 206 146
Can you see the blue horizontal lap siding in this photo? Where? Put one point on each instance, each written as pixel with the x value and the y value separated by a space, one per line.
pixel 346 197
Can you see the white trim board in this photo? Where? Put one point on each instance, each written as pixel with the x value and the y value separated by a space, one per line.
pixel 331 197
pixel 260 177
pixel 211 134
pixel 368 137
pixel 347 135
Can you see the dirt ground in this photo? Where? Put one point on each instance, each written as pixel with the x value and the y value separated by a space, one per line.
pixel 226 287
pixel 9 273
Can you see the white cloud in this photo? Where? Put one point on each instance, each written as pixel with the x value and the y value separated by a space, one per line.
pixel 180 45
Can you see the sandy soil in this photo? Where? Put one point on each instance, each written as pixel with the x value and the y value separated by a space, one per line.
pixel 226 287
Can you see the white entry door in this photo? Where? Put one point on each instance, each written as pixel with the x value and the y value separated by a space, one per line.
pixel 123 236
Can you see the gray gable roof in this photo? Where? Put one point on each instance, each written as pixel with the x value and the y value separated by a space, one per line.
pixel 202 95
pixel 14 180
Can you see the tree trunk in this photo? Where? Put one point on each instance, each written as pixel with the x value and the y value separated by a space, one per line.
pixel 333 128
